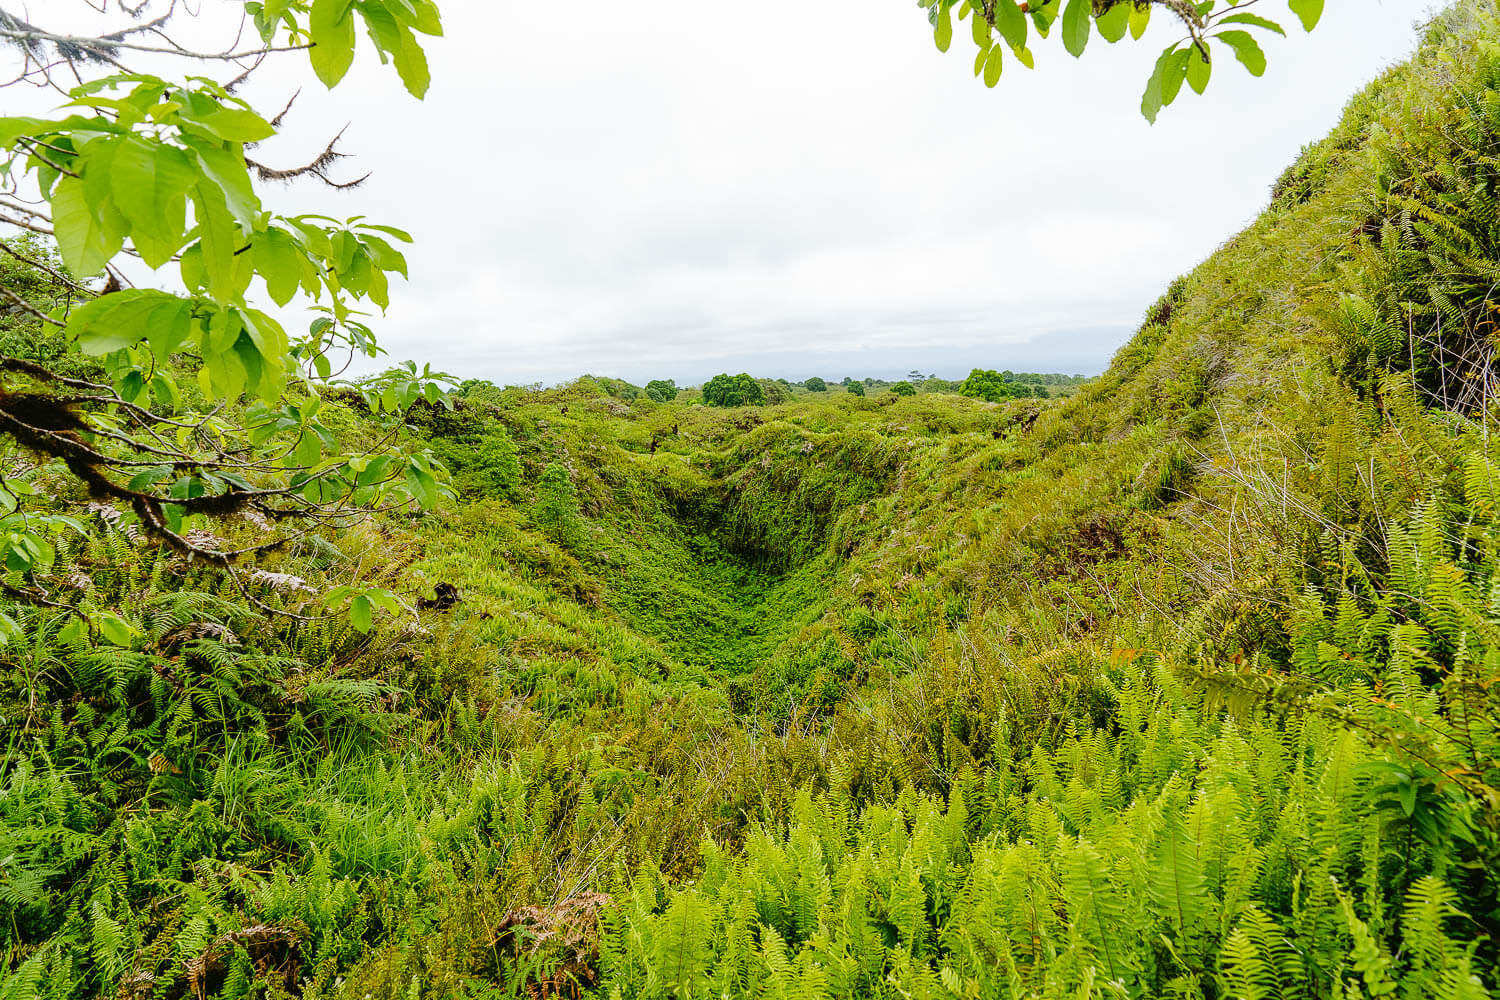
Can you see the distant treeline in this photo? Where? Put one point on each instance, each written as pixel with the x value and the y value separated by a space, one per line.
pixel 745 390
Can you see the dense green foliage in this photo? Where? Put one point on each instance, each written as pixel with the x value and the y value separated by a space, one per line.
pixel 1187 685
pixel 996 386
pixel 170 394
pixel 1212 29
pixel 733 390
pixel 661 390
pixel 815 384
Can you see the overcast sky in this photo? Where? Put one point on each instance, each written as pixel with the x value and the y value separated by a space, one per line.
pixel 679 188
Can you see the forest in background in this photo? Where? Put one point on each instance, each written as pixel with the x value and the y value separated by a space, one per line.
pixel 1182 686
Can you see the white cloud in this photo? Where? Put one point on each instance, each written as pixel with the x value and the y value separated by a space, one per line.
pixel 676 188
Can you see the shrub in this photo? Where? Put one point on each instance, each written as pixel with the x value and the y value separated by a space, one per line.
pixel 904 389
pixel 661 390
pixel 733 390
pixel 496 469
pixel 986 384
pixel 816 384
pixel 556 510
pixel 773 392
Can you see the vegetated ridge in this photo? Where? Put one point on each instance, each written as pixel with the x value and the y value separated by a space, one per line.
pixel 1183 686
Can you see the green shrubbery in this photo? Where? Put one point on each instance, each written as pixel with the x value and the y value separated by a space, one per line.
pixel 998 386
pixel 556 508
pixel 773 393
pixel 733 390
pixel 661 390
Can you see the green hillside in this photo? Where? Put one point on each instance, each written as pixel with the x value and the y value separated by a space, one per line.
pixel 1186 684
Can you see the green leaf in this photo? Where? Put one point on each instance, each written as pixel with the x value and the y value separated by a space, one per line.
pixel 343 246
pixel 43 554
pixel 394 37
pixel 114 629
pixel 942 32
pixel 122 319
pixel 267 335
pixel 427 19
pixel 12 129
pixel 169 327
pixel 226 272
pixel 386 599
pixel 359 613
pixel 385 256
pixel 1406 791
pixel 340 593
pixel 378 287
pixel 85 238
pixel 278 258
pixel 1042 16
pixel 1309 12
pixel 1198 71
pixel 422 484
pixel 1139 18
pixel 1255 21
pixel 1113 23
pixel 165 390
pixel 1011 23
pixel 222 331
pixel 1154 97
pixel 308 450
pixel 382 27
pixel 131 385
pixel 1173 74
pixel 332 28
pixel 225 166
pixel 149 477
pixel 1075 26
pixel 391 231
pixel 411 65
pixel 10 631
pixel 314 238
pixel 230 124
pixel 993 64
pixel 374 471
pixel 148 184
pixel 1246 49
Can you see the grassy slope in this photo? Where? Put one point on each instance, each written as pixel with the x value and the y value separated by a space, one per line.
pixel 867 697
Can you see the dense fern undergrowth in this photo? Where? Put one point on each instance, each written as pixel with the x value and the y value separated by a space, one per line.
pixel 1185 686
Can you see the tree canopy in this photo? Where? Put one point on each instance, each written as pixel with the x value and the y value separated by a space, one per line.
pixel 661 390
pixel 167 386
pixel 733 390
pixel 772 392
pixel 1209 28
pixel 999 386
